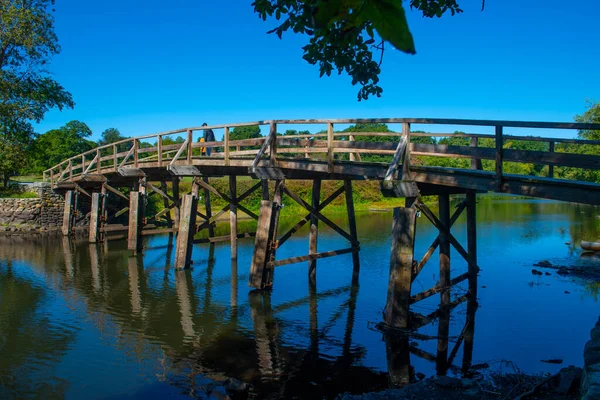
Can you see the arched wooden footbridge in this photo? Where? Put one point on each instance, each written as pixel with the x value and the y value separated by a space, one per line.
pixel 155 164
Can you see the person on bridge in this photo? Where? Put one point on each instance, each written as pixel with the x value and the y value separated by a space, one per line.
pixel 209 136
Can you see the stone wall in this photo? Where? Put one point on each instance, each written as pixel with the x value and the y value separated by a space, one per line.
pixel 44 213
pixel 590 380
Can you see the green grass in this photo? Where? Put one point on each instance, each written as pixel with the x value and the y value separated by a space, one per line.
pixel 12 194
pixel 27 178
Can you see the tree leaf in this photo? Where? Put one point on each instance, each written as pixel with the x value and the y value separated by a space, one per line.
pixel 389 20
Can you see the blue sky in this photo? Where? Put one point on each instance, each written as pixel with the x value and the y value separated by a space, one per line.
pixel 149 66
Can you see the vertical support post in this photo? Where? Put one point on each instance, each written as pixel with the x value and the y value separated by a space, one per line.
pixel 68 213
pixel 273 147
pixel 189 145
pixel 103 211
pixel 265 189
pixel 70 170
pixel 211 227
pixel 177 199
pixel 444 321
pixel 352 154
pixel 163 187
pixel 469 335
pixel 136 214
pixel 98 161
pixel 401 260
pixel 551 166
pixel 353 230
pixel 136 146
pixel 183 251
pixel 115 164
pixel 475 162
pixel 233 216
pixel 406 161
pixel 94 229
pixel 330 154
pixel 159 148
pixel 499 157
pixel 226 144
pixel 314 231
pixel 472 242
pixel 82 164
pixel 261 273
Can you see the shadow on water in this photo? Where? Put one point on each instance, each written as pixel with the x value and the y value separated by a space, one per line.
pixel 85 320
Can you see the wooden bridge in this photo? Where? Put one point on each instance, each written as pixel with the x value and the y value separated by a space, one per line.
pixel 154 165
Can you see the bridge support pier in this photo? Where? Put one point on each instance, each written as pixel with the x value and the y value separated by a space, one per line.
pixel 69 211
pixel 136 219
pixel 187 229
pixel 95 217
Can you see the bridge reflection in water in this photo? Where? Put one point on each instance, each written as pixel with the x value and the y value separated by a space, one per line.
pixel 205 337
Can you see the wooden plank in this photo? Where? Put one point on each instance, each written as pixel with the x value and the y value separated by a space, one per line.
pixel 233 216
pixel 444 213
pixel 167 207
pixel 313 256
pixel 401 260
pixel 261 152
pixel 183 170
pixel 115 191
pixel 273 145
pixel 553 159
pixel 190 141
pixel 183 251
pixel 68 213
pixel 439 288
pixel 158 231
pixel 471 202
pixel 306 218
pixel 179 152
pixel 353 230
pixel 261 246
pixel 475 163
pixel 159 145
pixel 114 228
pixel 128 155
pixel 314 232
pixel 94 229
pixel 499 157
pixel 406 160
pixel 225 238
pixel 320 216
pixel 177 200
pixel 436 242
pixel 400 150
pixel 207 190
pixel 226 145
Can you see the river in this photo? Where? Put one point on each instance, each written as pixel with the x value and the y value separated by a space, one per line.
pixel 91 321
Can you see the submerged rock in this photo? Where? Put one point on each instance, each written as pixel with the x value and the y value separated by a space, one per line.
pixel 569 379
pixel 446 381
pixel 543 263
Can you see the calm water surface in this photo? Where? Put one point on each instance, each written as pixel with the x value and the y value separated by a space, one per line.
pixel 91 321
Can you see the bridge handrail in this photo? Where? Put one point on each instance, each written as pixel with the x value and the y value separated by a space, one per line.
pixel 311 143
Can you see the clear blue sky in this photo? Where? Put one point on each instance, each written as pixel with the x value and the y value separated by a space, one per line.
pixel 145 66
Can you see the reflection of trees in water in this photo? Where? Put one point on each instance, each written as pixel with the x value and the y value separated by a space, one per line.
pixel 29 340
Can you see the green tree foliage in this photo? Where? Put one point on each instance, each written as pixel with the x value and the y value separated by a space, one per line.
pixel 169 140
pixel 110 135
pixel 343 34
pixel 27 43
pixel 59 144
pixel 245 132
pixel 590 116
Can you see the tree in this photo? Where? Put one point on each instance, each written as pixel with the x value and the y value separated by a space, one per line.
pixel 59 144
pixel 245 132
pixel 27 43
pixel 344 33
pixel 110 135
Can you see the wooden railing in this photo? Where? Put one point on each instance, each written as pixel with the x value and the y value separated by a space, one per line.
pixel 151 150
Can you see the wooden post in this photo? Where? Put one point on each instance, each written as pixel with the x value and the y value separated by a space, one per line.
pixel 226 144
pixel 211 227
pixel 398 360
pixel 499 157
pixel 353 230
pixel 103 211
pixel 98 162
pixel 177 208
pixel 82 164
pixel 163 187
pixel 444 322
pixel 189 145
pixel 406 161
pixel 551 166
pixel 352 154
pixel 70 170
pixel 115 164
pixel 469 335
pixel 261 246
pixel 136 146
pixel 273 148
pixel 472 242
pixel 233 216
pixel 68 213
pixel 159 149
pixel 185 236
pixel 94 230
pixel 136 210
pixel 314 231
pixel 330 154
pixel 475 163
pixel 401 260
pixel 265 189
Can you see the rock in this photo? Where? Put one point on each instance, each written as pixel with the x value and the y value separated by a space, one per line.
pixel 553 361
pixel 589 377
pixel 467 383
pixel 547 274
pixel 595 333
pixel 563 271
pixel 591 353
pixel 446 381
pixel 568 243
pixel 483 287
pixel 235 385
pixel 536 272
pixel 543 263
pixel 567 292
pixel 568 379
pixel 420 375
